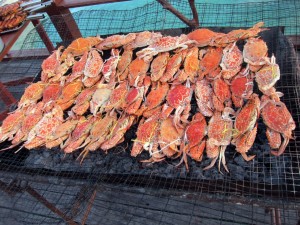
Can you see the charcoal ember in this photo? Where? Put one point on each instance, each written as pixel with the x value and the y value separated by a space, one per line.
pixel 213 174
pixel 237 172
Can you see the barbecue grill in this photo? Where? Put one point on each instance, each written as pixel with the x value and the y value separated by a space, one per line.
pixel 48 187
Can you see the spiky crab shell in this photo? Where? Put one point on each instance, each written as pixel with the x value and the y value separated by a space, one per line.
pixel 157 95
pixel 204 92
pixel 277 117
pixel 80 45
pixel 221 90
pixel 232 58
pixel 211 60
pixel 12 121
pixel 220 129
pixel 158 66
pixel 254 52
pixel 239 86
pixel 93 65
pixel 178 95
pixel 203 36
pixel 32 93
pixel 245 141
pixel 116 41
pixel 267 76
pixel 247 117
pixel 51 92
pixel 196 130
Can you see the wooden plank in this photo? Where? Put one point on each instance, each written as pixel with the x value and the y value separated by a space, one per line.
pixel 6 96
pixel 79 3
pixel 28 53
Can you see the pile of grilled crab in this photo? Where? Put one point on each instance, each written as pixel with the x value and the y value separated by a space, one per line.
pixel 190 96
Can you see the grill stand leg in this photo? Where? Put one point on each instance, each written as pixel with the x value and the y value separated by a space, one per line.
pixel 49 205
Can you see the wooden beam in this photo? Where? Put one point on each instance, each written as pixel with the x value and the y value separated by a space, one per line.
pixel 80 3
pixel 10 38
pixel 6 96
pixel 193 23
pixel 45 38
pixel 64 23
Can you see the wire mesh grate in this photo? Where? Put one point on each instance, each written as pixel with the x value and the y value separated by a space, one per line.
pixel 117 189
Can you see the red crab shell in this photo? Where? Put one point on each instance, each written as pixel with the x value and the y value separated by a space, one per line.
pixel 177 95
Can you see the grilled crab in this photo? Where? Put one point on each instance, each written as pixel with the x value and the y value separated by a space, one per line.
pixel 179 98
pixel 98 134
pixel 50 65
pixel 246 119
pixel 203 37
pixel 116 41
pixel 147 136
pixel 267 76
pixel 78 68
pixel 137 71
pixel 235 35
pixel 278 120
pixel 122 67
pixel 165 44
pixel 32 94
pixel 82 101
pixel 109 69
pixel 143 39
pixel 241 88
pixel 79 134
pixel 49 122
pixel 68 94
pixel 254 53
pixel 231 61
pixel 219 137
pixel 209 60
pixel 222 94
pixel 158 65
pixel 93 65
pixel 61 133
pixel 79 46
pixel 154 99
pixel 116 135
pixel 203 94
pixel 11 124
pixel 100 98
pixel 194 142
pixel 191 67
pixel 173 66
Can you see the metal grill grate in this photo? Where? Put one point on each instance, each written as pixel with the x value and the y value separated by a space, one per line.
pixel 117 189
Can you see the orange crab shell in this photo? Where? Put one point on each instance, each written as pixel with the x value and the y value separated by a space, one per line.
pixel 137 71
pixel 80 46
pixel 146 132
pixel 210 61
pixel 116 41
pixel 219 129
pixel 51 92
pixel 78 68
pixel 177 95
pixel 274 138
pixel 172 66
pixel 203 36
pixel 245 142
pixel 277 117
pixel 221 90
pixel 196 130
pixel 158 66
pixel 246 118
pixel 254 51
pixel 32 93
pixel 69 93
